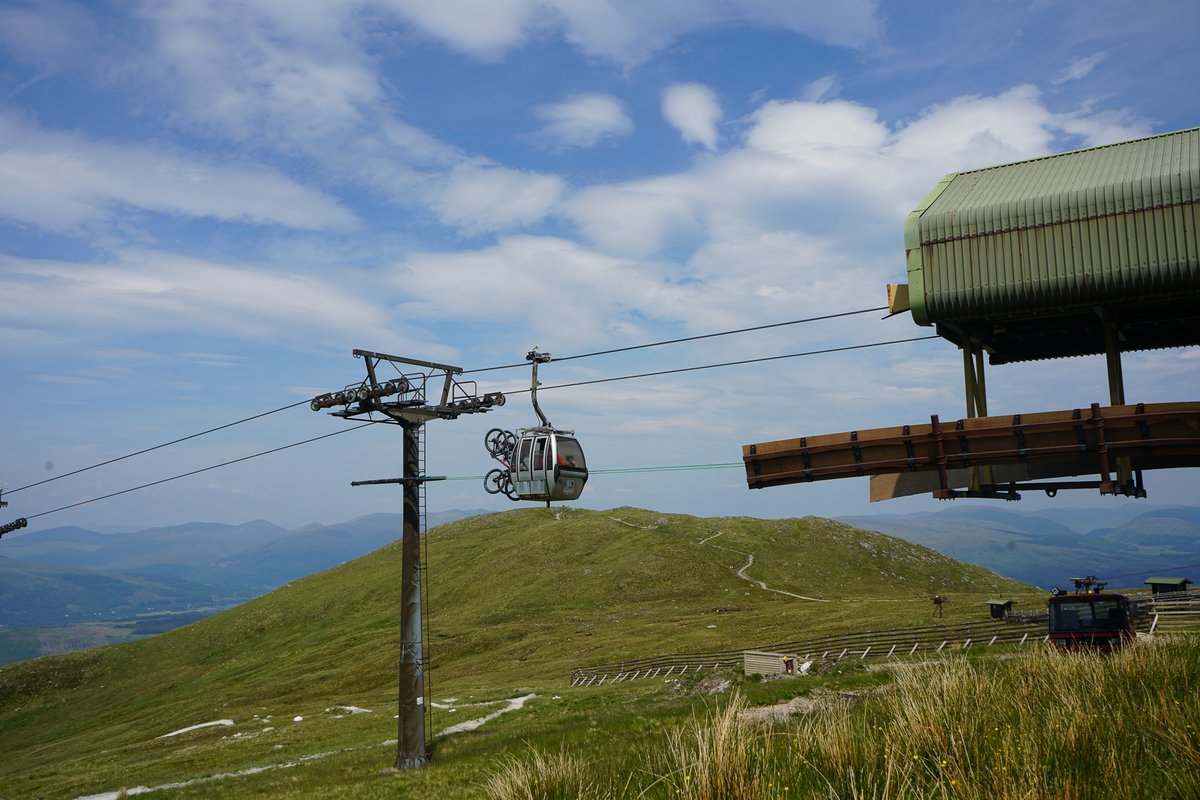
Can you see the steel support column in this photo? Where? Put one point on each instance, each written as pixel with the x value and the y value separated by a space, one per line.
pixel 1116 390
pixel 410 747
pixel 976 388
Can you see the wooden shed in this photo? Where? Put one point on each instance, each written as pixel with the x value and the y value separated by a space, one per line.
pixel 1162 585
pixel 760 662
pixel 1000 608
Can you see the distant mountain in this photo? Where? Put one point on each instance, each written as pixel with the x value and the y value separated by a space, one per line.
pixel 36 595
pixel 68 575
pixel 193 543
pixel 1034 548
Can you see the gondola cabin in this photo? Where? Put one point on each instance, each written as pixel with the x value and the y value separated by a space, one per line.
pixel 540 463
pixel 1090 618
pixel 547 465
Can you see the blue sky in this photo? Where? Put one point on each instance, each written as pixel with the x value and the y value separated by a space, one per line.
pixel 205 206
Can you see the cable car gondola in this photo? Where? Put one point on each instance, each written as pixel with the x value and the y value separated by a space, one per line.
pixel 538 463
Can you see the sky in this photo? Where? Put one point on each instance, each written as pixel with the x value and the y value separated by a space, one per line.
pixel 205 206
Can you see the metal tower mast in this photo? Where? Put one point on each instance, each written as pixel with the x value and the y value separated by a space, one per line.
pixel 419 392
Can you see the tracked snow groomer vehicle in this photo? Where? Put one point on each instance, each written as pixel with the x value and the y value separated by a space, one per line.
pixel 1090 618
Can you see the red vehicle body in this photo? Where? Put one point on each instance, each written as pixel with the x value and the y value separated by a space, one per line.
pixel 1091 620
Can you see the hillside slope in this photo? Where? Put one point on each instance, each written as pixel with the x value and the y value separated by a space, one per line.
pixel 517 599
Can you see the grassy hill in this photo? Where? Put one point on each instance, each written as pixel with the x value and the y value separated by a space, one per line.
pixel 517 599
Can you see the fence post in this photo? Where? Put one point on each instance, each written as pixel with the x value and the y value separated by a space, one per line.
pixel 864 653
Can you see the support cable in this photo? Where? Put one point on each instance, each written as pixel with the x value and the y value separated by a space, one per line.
pixel 160 446
pixel 1143 571
pixel 689 338
pixel 521 391
pixel 729 364
pixel 198 471
pixel 485 369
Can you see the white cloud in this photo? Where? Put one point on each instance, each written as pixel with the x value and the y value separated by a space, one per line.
pixel 286 70
pixel 485 29
pixel 1079 68
pixel 626 31
pixel 487 197
pixel 47 34
pixel 61 181
pixel 820 89
pixel 972 131
pixel 815 132
pixel 833 167
pixel 306 80
pixel 630 31
pixel 638 218
pixel 146 291
pixel 549 287
pixel 583 120
pixel 693 110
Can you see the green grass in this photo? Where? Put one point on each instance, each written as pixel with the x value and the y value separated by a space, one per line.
pixel 517 599
pixel 1039 725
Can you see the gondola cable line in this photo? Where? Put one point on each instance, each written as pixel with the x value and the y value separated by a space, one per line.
pixel 484 369
pixel 202 469
pixel 558 386
pixel 687 339
pixel 159 446
pixel 846 348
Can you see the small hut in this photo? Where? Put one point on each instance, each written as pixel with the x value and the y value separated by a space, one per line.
pixel 757 662
pixel 1000 608
pixel 1161 585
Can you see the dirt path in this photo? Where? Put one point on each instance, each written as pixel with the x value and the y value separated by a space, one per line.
pixel 471 724
pixel 741 573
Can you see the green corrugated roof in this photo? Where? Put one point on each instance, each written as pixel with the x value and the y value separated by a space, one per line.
pixel 1118 178
pixel 1022 255
pixel 1168 581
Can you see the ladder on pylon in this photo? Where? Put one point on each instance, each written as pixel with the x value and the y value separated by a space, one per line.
pixel 424 566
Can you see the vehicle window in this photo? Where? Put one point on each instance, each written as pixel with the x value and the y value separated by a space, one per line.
pixel 1087 615
pixel 539 453
pixel 570 454
pixel 523 457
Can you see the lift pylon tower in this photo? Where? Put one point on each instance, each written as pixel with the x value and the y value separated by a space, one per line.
pixel 419 392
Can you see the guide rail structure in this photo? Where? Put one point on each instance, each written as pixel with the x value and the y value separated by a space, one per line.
pixel 1024 452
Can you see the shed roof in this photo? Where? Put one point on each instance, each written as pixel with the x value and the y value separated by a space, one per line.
pixel 1030 257
pixel 1160 581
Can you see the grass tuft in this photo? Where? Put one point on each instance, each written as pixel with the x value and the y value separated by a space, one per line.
pixel 540 775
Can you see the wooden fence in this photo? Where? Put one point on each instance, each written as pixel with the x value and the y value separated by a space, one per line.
pixel 871 644
pixel 1176 612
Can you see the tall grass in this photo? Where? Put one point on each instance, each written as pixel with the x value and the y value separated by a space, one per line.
pixel 1037 726
pixel 541 776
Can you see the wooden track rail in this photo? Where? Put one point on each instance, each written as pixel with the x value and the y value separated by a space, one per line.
pixel 1043 445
